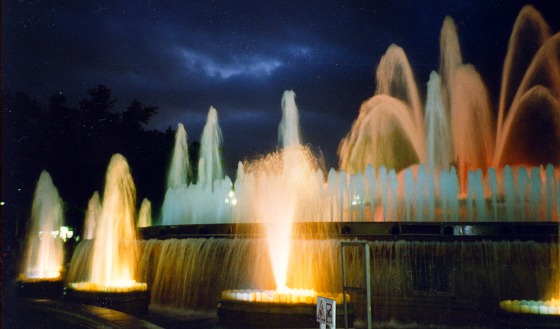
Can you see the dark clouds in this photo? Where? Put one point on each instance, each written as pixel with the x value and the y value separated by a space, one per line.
pixel 239 57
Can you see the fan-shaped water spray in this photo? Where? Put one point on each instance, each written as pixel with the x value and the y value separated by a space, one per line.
pixel 528 110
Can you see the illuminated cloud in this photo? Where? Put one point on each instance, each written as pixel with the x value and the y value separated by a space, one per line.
pixel 252 66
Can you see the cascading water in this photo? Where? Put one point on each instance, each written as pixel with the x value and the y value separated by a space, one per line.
pixel 192 273
pixel 44 250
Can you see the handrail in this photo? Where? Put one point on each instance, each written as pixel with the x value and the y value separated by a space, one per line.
pixel 345 287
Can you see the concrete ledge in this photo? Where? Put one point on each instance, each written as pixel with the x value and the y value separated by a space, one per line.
pixel 434 231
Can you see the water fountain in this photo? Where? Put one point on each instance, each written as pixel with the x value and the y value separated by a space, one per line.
pixel 395 170
pixel 272 191
pixel 111 279
pixel 41 273
pixel 457 226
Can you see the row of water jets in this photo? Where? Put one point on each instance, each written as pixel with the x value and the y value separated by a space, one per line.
pixel 400 162
pixel 417 193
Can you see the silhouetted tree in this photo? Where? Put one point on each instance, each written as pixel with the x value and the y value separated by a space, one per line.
pixel 21 159
pixel 136 115
pixel 63 151
pixel 75 143
pixel 97 111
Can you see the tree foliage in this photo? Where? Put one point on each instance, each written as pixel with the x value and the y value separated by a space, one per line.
pixel 74 144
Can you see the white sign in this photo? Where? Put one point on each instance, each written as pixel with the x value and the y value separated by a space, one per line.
pixel 326 312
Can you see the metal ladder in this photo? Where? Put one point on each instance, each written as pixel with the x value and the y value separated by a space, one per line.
pixel 367 284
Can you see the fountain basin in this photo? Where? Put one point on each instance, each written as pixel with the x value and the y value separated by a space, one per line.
pixel 549 307
pixel 247 314
pixel 530 313
pixel 284 296
pixel 131 302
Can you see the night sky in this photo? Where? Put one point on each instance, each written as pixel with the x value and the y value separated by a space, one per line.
pixel 239 56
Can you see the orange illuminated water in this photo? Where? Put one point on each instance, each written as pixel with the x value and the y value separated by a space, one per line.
pixel 279 186
pixel 390 132
pixel 115 247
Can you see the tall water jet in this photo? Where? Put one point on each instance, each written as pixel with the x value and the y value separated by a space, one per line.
pixel 288 129
pixel 115 249
pixel 44 250
pixel 92 214
pixel 210 163
pixel 471 122
pixel 173 210
pixel 179 169
pixel 279 220
pixel 438 132
pixel 279 187
pixel 145 214
pixel 277 190
pixel 450 58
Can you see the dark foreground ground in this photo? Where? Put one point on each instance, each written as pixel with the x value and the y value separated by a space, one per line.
pixel 18 312
pixel 43 313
